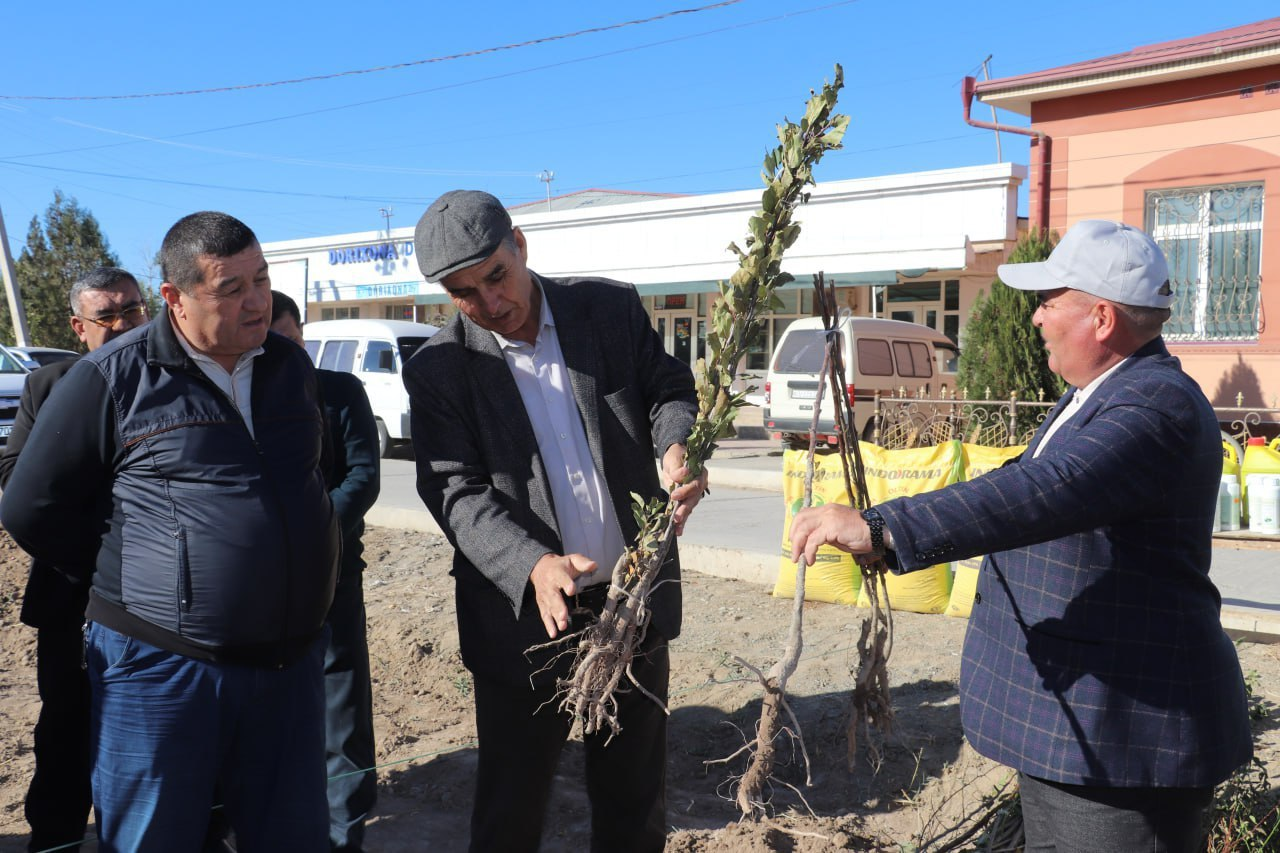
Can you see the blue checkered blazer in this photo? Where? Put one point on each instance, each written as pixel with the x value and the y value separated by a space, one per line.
pixel 1095 653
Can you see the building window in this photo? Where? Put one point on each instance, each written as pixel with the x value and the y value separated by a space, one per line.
pixel 344 313
pixel 1212 238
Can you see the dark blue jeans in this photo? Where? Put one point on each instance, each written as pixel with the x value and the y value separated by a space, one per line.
pixel 168 729
pixel 348 720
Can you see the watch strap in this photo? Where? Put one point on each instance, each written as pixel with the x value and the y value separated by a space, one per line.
pixel 875 526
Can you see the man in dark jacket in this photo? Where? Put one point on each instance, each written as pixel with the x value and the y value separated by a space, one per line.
pixel 353 487
pixel 536 414
pixel 182 468
pixel 104 304
pixel 1095 663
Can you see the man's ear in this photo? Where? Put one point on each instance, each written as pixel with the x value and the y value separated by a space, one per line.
pixel 77 326
pixel 1107 322
pixel 170 294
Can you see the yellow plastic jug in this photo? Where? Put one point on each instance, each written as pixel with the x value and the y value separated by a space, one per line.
pixel 1258 459
pixel 1230 456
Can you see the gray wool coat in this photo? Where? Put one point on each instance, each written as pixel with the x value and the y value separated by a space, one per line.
pixel 481 476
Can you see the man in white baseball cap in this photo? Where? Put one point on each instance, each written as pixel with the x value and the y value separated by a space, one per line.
pixel 1107 259
pixel 1095 663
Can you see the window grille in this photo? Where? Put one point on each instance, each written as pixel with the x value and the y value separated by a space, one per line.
pixel 1212 238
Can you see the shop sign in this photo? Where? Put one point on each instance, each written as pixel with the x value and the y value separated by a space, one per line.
pixel 377 252
pixel 380 291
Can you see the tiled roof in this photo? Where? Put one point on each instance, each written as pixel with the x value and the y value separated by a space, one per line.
pixel 1250 44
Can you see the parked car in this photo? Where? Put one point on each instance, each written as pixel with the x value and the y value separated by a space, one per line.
pixel 879 355
pixel 13 376
pixel 36 357
pixel 375 351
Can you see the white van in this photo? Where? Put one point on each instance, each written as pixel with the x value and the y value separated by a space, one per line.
pixel 879 355
pixel 375 351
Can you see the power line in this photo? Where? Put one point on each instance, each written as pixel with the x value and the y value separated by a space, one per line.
pixel 392 67
pixel 295 161
pixel 195 185
pixel 462 83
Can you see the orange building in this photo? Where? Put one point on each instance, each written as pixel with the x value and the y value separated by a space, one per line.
pixel 1182 139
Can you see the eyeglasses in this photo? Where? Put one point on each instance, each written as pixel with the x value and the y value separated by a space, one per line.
pixel 130 316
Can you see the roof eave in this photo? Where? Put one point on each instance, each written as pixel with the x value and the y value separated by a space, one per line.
pixel 1026 91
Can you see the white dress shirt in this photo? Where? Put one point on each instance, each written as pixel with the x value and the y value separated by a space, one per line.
pixel 584 511
pixel 1075 404
pixel 237 385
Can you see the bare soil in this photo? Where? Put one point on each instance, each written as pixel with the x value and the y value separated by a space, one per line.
pixel 924 781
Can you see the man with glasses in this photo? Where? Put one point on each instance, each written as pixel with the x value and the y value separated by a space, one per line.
pixel 104 304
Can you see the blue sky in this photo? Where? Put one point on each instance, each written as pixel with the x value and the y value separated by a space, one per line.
pixel 684 104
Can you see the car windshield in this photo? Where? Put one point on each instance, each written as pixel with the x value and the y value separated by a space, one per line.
pixel 801 351
pixel 9 364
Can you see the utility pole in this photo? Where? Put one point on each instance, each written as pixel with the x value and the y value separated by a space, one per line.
pixel 987 76
pixel 16 310
pixel 547 176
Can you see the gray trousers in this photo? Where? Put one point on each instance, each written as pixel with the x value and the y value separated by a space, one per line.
pixel 1062 818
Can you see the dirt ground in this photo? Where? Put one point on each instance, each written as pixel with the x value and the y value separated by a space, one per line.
pixel 925 780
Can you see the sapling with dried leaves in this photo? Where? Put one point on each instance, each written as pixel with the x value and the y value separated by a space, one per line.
pixel 605 649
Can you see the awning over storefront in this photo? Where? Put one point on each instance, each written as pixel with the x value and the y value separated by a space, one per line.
pixel 860 232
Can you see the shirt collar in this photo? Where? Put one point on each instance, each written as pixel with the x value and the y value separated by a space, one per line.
pixel 1084 393
pixel 201 358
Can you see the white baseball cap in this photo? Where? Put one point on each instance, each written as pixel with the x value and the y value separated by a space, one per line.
pixel 1110 260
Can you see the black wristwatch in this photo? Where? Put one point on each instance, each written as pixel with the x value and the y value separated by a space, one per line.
pixel 875 525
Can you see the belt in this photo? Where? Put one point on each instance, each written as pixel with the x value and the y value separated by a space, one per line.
pixel 590 600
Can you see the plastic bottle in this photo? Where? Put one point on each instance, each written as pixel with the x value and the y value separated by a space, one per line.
pixel 1231 454
pixel 1258 459
pixel 1266 504
pixel 1217 507
pixel 1229 497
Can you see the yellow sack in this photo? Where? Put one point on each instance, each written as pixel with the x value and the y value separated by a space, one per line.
pixel 892 474
pixel 833 577
pixel 964 586
pixel 978 460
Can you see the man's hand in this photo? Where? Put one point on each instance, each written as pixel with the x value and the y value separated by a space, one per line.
pixel 553 577
pixel 829 524
pixel 688 495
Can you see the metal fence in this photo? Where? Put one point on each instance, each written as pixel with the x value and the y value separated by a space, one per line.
pixel 919 421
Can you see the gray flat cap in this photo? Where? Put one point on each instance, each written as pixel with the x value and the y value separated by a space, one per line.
pixel 459 229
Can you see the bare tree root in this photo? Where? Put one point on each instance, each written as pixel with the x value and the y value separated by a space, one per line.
pixel 750 794
pixel 795 833
pixel 869 704
pixel 999 817
pixel 606 649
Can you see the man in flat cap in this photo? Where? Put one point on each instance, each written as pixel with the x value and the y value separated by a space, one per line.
pixel 536 414
pixel 1095 663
